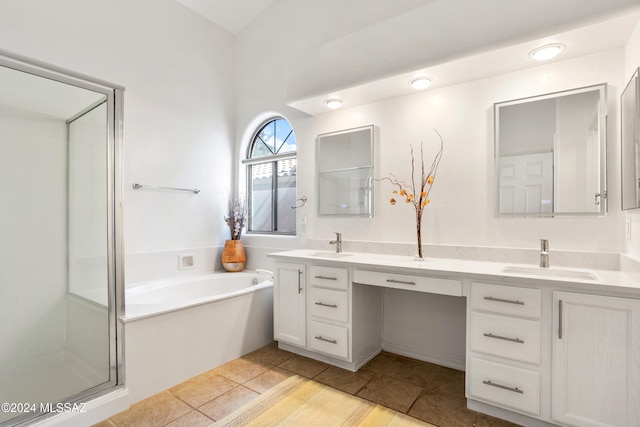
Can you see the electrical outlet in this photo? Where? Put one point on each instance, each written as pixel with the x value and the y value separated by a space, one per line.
pixel 185 262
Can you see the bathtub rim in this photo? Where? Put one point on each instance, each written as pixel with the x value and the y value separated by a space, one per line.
pixel 265 284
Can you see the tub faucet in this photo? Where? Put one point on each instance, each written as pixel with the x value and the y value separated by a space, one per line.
pixel 337 242
pixel 544 253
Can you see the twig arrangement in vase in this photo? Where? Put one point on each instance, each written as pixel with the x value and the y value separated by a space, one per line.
pixel 417 196
pixel 236 217
pixel 233 254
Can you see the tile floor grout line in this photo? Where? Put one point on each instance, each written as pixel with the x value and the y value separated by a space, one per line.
pixel 385 367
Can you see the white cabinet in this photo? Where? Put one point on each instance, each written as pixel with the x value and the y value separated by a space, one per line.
pixel 329 339
pixel 505 385
pixel 596 360
pixel 289 304
pixel 511 338
pixel 320 314
pixel 511 300
pixel 504 347
pixel 329 311
pixel 434 285
pixel 535 353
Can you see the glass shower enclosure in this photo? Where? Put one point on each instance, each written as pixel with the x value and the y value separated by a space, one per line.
pixel 60 239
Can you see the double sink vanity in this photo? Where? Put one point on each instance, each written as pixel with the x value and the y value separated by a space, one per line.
pixel 544 346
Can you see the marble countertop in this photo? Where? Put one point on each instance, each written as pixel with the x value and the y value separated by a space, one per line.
pixel 605 281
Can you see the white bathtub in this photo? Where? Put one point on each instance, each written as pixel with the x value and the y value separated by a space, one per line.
pixel 157 297
pixel 178 328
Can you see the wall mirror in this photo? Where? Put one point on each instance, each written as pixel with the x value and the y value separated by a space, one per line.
pixel 550 154
pixel 344 166
pixel 630 138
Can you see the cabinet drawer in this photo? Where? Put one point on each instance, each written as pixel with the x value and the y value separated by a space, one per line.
pixel 329 304
pixel 505 385
pixel 506 299
pixel 329 339
pixel 410 282
pixel 329 277
pixel 516 339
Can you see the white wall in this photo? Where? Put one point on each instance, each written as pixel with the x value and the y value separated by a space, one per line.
pixel 461 209
pixel 178 71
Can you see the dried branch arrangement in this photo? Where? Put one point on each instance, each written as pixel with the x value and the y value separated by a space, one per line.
pixel 417 195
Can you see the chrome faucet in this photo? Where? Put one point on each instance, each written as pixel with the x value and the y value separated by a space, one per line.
pixel 544 253
pixel 337 242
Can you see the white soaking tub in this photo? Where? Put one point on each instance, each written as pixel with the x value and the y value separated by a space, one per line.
pixel 178 328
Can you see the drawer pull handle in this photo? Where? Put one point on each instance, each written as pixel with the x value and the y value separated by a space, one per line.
pixel 402 282
pixel 513 389
pixel 326 305
pixel 509 301
pixel 326 278
pixel 320 337
pixel 490 335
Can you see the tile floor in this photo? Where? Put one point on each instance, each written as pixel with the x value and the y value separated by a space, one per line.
pixel 425 391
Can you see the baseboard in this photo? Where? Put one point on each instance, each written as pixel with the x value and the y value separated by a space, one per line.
pixel 435 358
pixel 507 415
pixel 363 361
pixel 350 366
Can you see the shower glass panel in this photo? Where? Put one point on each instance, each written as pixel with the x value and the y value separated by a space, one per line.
pixel 57 274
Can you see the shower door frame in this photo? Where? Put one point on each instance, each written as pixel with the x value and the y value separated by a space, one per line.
pixel 115 246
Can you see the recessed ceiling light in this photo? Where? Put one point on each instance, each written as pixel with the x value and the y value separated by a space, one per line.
pixel 546 52
pixel 333 103
pixel 420 83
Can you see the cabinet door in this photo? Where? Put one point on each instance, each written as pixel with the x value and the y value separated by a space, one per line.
pixel 289 313
pixel 596 360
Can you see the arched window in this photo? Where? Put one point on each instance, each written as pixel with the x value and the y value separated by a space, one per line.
pixel 271 178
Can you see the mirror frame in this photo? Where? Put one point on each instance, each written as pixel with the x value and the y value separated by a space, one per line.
pixel 630 145
pixel 367 210
pixel 602 152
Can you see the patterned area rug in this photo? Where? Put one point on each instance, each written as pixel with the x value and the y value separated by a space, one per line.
pixel 298 401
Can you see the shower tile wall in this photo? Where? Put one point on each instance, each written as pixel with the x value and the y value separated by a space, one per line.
pixel 33 249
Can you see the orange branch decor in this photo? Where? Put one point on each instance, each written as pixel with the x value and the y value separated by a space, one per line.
pixel 417 196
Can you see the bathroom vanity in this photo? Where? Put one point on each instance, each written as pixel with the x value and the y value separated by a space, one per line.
pixel 543 346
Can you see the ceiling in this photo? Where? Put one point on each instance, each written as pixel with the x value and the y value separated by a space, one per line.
pixel 232 15
pixel 474 39
pixel 235 15
pixel 581 41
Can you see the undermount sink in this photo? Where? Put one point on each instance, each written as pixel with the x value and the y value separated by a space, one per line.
pixel 330 254
pixel 550 272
